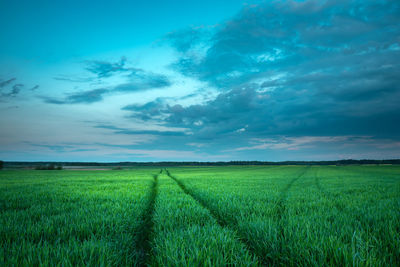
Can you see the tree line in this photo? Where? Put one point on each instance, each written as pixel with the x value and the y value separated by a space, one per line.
pixel 55 165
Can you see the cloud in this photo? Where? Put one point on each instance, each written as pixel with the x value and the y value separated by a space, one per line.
pixel 13 88
pixel 110 151
pixel 140 80
pixel 295 143
pixel 148 111
pixel 52 147
pixel 73 79
pixel 187 39
pixel 7 82
pixel 88 97
pixel 286 36
pixel 134 80
pixel 118 130
pixel 225 115
pixel 289 75
pixel 105 69
pixel 137 79
pixel 14 91
pixel 282 112
pixel 290 68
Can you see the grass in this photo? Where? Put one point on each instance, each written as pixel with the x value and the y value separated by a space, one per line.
pixel 202 216
pixel 71 218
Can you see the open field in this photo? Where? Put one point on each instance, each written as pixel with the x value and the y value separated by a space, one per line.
pixel 202 216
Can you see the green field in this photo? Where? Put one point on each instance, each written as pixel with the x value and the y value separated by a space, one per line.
pixel 202 216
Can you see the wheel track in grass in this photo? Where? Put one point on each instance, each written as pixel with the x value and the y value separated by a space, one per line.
pixel 230 223
pixel 328 195
pixel 280 206
pixel 279 213
pixel 340 206
pixel 361 221
pixel 143 232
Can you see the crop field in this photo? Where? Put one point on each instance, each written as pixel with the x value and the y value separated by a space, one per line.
pixel 202 216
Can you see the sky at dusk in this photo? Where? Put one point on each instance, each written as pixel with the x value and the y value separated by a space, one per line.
pixel 199 80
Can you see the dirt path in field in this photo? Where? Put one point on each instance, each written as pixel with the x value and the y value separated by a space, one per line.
pixel 143 246
pixel 230 222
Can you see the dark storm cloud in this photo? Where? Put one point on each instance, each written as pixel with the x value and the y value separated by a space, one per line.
pixel 294 68
pixel 280 36
pixel 227 114
pixel 253 113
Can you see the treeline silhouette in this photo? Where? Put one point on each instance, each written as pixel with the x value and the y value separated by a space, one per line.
pixel 49 167
pixel 197 163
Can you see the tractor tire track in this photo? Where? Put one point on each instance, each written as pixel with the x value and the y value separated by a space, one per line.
pixel 229 222
pixel 280 206
pixel 279 213
pixel 342 207
pixel 144 230
pixel 326 194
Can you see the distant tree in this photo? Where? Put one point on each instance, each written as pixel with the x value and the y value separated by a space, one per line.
pixel 1 164
pixel 48 167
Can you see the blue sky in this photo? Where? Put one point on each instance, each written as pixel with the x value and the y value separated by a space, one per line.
pixel 199 80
